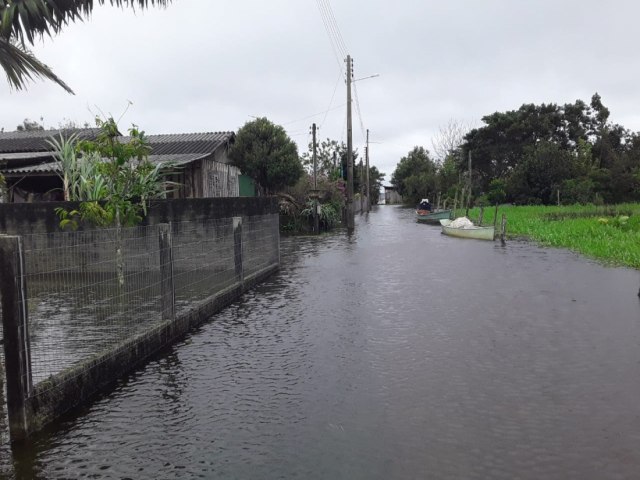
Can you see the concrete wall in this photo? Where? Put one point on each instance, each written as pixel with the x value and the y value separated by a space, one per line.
pixel 30 218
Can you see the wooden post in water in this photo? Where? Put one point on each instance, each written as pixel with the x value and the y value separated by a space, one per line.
pixel 17 348
pixel 480 216
pixel 503 230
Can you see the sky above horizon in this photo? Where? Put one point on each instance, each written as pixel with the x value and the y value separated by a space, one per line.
pixel 202 66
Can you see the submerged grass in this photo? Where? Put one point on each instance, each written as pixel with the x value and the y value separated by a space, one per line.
pixel 608 233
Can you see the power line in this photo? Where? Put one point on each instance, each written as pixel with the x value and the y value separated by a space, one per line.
pixel 336 29
pixel 338 49
pixel 324 112
pixel 355 92
pixel 335 89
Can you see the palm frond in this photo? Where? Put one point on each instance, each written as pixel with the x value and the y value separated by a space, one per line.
pixel 27 19
pixel 21 66
pixel 21 21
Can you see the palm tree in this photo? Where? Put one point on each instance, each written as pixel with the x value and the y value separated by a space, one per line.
pixel 22 21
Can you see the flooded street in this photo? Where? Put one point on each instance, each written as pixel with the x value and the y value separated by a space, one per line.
pixel 398 353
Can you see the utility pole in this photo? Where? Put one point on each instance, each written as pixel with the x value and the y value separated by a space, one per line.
pixel 350 213
pixel 315 165
pixel 316 222
pixel 366 151
pixel 361 186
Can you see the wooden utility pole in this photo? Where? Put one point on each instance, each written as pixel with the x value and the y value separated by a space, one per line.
pixel 368 186
pixel 362 185
pixel 350 213
pixel 316 220
pixel 315 165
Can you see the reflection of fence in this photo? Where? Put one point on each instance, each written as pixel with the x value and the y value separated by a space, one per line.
pixel 81 308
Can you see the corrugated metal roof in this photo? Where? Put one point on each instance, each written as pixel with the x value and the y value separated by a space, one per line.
pixel 36 140
pixel 187 142
pixel 52 167
pixel 49 167
pixel 24 155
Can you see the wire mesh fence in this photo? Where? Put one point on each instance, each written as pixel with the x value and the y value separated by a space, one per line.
pixel 90 291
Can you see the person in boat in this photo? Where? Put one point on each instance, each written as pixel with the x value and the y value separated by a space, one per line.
pixel 424 205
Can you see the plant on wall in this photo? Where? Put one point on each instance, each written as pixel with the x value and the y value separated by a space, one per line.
pixel 112 179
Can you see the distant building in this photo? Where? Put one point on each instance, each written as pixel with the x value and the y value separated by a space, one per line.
pixel 198 163
pixel 391 196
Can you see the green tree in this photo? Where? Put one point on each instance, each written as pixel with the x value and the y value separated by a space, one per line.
pixel 23 21
pixel 415 175
pixel 375 184
pixel 264 151
pixel 540 174
pixel 328 155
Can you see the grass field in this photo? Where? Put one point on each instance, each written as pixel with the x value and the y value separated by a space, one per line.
pixel 607 233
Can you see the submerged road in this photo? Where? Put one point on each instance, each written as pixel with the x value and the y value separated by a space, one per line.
pixel 398 353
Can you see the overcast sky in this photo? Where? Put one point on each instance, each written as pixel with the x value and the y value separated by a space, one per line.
pixel 210 65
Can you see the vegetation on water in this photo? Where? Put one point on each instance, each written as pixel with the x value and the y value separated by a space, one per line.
pixel 607 233
pixel 566 171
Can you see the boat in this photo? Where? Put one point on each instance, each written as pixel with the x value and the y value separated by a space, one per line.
pixel 466 229
pixel 433 217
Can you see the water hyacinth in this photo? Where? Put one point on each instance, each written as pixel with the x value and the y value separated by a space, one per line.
pixel 610 234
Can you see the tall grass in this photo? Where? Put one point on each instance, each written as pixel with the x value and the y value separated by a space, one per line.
pixel 601 232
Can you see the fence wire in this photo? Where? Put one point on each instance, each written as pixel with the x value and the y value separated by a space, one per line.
pixel 88 292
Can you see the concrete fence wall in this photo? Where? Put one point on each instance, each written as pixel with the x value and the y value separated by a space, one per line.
pixel 80 309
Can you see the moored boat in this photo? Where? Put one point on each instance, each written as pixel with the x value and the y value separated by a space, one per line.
pixel 432 217
pixel 466 229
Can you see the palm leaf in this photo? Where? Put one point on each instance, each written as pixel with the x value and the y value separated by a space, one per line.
pixel 21 66
pixel 26 19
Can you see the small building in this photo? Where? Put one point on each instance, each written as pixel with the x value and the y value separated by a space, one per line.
pixel 197 162
pixel 391 196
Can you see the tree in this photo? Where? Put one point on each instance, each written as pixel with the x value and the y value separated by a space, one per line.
pixel 22 21
pixel 327 158
pixel 375 184
pixel 264 151
pixel 540 174
pixel 415 175
pixel 449 138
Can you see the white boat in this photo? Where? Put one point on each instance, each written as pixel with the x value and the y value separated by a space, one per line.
pixel 467 230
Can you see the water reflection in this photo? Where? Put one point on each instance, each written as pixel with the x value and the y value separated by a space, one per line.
pixel 396 353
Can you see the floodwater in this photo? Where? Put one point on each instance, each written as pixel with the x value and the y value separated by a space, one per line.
pixel 397 353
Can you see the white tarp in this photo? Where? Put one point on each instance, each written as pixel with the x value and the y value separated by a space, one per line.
pixel 461 222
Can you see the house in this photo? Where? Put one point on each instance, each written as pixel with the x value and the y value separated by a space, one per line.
pixel 197 162
pixel 391 196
